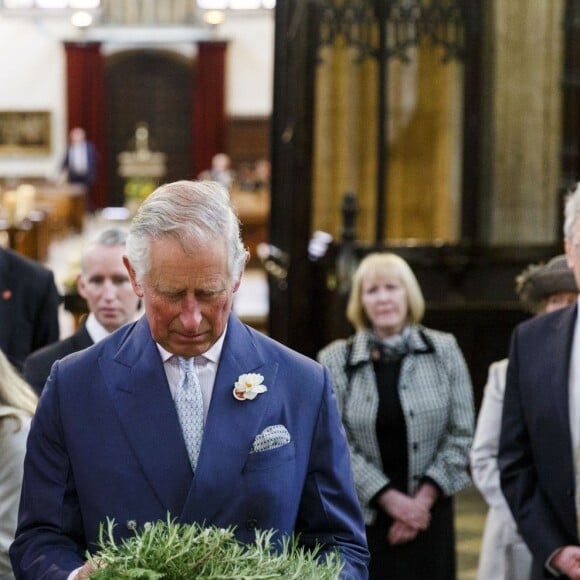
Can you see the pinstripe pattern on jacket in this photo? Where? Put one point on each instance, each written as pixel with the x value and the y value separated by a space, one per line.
pixel 436 396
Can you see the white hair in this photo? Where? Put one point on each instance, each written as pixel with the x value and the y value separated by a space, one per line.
pixel 188 211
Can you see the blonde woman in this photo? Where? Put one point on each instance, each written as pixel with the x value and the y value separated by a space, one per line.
pixel 405 398
pixel 17 405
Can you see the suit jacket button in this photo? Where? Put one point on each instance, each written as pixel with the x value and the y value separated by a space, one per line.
pixel 251 524
pixel 131 525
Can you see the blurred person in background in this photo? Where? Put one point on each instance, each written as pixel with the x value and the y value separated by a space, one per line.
pixel 539 444
pixel 17 405
pixel 406 402
pixel 262 175
pixel 29 302
pixel 504 555
pixel 220 170
pixel 105 285
pixel 80 162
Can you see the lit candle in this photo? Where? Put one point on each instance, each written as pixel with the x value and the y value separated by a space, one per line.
pixel 9 200
pixel 26 194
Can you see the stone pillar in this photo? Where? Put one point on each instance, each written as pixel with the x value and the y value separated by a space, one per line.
pixel 522 120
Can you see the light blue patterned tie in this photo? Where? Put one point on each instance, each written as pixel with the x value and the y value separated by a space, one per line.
pixel 189 405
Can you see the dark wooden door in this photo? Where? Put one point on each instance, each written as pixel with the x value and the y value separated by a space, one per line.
pixel 292 319
pixel 298 303
pixel 154 87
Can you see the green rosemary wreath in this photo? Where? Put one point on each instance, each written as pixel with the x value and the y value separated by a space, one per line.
pixel 172 551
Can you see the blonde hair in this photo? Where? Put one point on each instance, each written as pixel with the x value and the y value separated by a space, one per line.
pixel 384 264
pixel 15 392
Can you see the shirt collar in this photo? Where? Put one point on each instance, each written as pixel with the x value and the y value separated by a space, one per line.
pixel 95 329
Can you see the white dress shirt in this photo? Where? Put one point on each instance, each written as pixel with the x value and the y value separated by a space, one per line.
pixel 79 158
pixel 95 329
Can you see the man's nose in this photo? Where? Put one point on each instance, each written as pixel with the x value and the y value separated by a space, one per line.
pixel 190 312
pixel 109 289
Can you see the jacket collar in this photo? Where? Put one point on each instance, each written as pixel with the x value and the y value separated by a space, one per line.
pixel 360 350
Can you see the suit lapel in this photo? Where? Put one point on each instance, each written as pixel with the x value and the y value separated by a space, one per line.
pixel 558 349
pixel 141 395
pixel 231 425
pixel 557 344
pixel 81 339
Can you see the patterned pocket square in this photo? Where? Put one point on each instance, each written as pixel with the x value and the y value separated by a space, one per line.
pixel 270 438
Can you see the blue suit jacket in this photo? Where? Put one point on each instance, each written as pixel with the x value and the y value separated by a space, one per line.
pixel 535 453
pixel 106 442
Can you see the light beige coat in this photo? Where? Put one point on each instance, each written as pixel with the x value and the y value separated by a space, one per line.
pixel 12 450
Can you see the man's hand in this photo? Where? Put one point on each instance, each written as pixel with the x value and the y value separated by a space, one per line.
pixel 412 512
pixel 567 561
pixel 83 573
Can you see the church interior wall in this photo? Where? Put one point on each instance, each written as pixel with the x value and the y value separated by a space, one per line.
pixel 32 66
pixel 32 74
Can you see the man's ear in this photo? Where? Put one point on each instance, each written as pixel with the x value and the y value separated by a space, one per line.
pixel 81 286
pixel 137 288
pixel 237 283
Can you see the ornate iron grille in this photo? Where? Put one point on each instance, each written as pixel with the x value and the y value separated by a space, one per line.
pixel 408 22
pixel 385 29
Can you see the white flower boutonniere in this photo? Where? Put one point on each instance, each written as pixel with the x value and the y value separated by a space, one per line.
pixel 249 386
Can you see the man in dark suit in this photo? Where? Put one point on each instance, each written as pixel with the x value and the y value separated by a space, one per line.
pixel 539 452
pixel 80 162
pixel 187 411
pixel 104 283
pixel 29 304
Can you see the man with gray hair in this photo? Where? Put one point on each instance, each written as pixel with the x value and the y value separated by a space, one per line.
pixel 186 412
pixel 105 285
pixel 539 448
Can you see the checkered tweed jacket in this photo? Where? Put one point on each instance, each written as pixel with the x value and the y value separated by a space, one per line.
pixel 437 400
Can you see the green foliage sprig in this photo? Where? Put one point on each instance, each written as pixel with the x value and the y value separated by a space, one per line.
pixel 172 551
pixel 139 188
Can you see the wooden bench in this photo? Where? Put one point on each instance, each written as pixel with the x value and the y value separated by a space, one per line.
pixel 65 206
